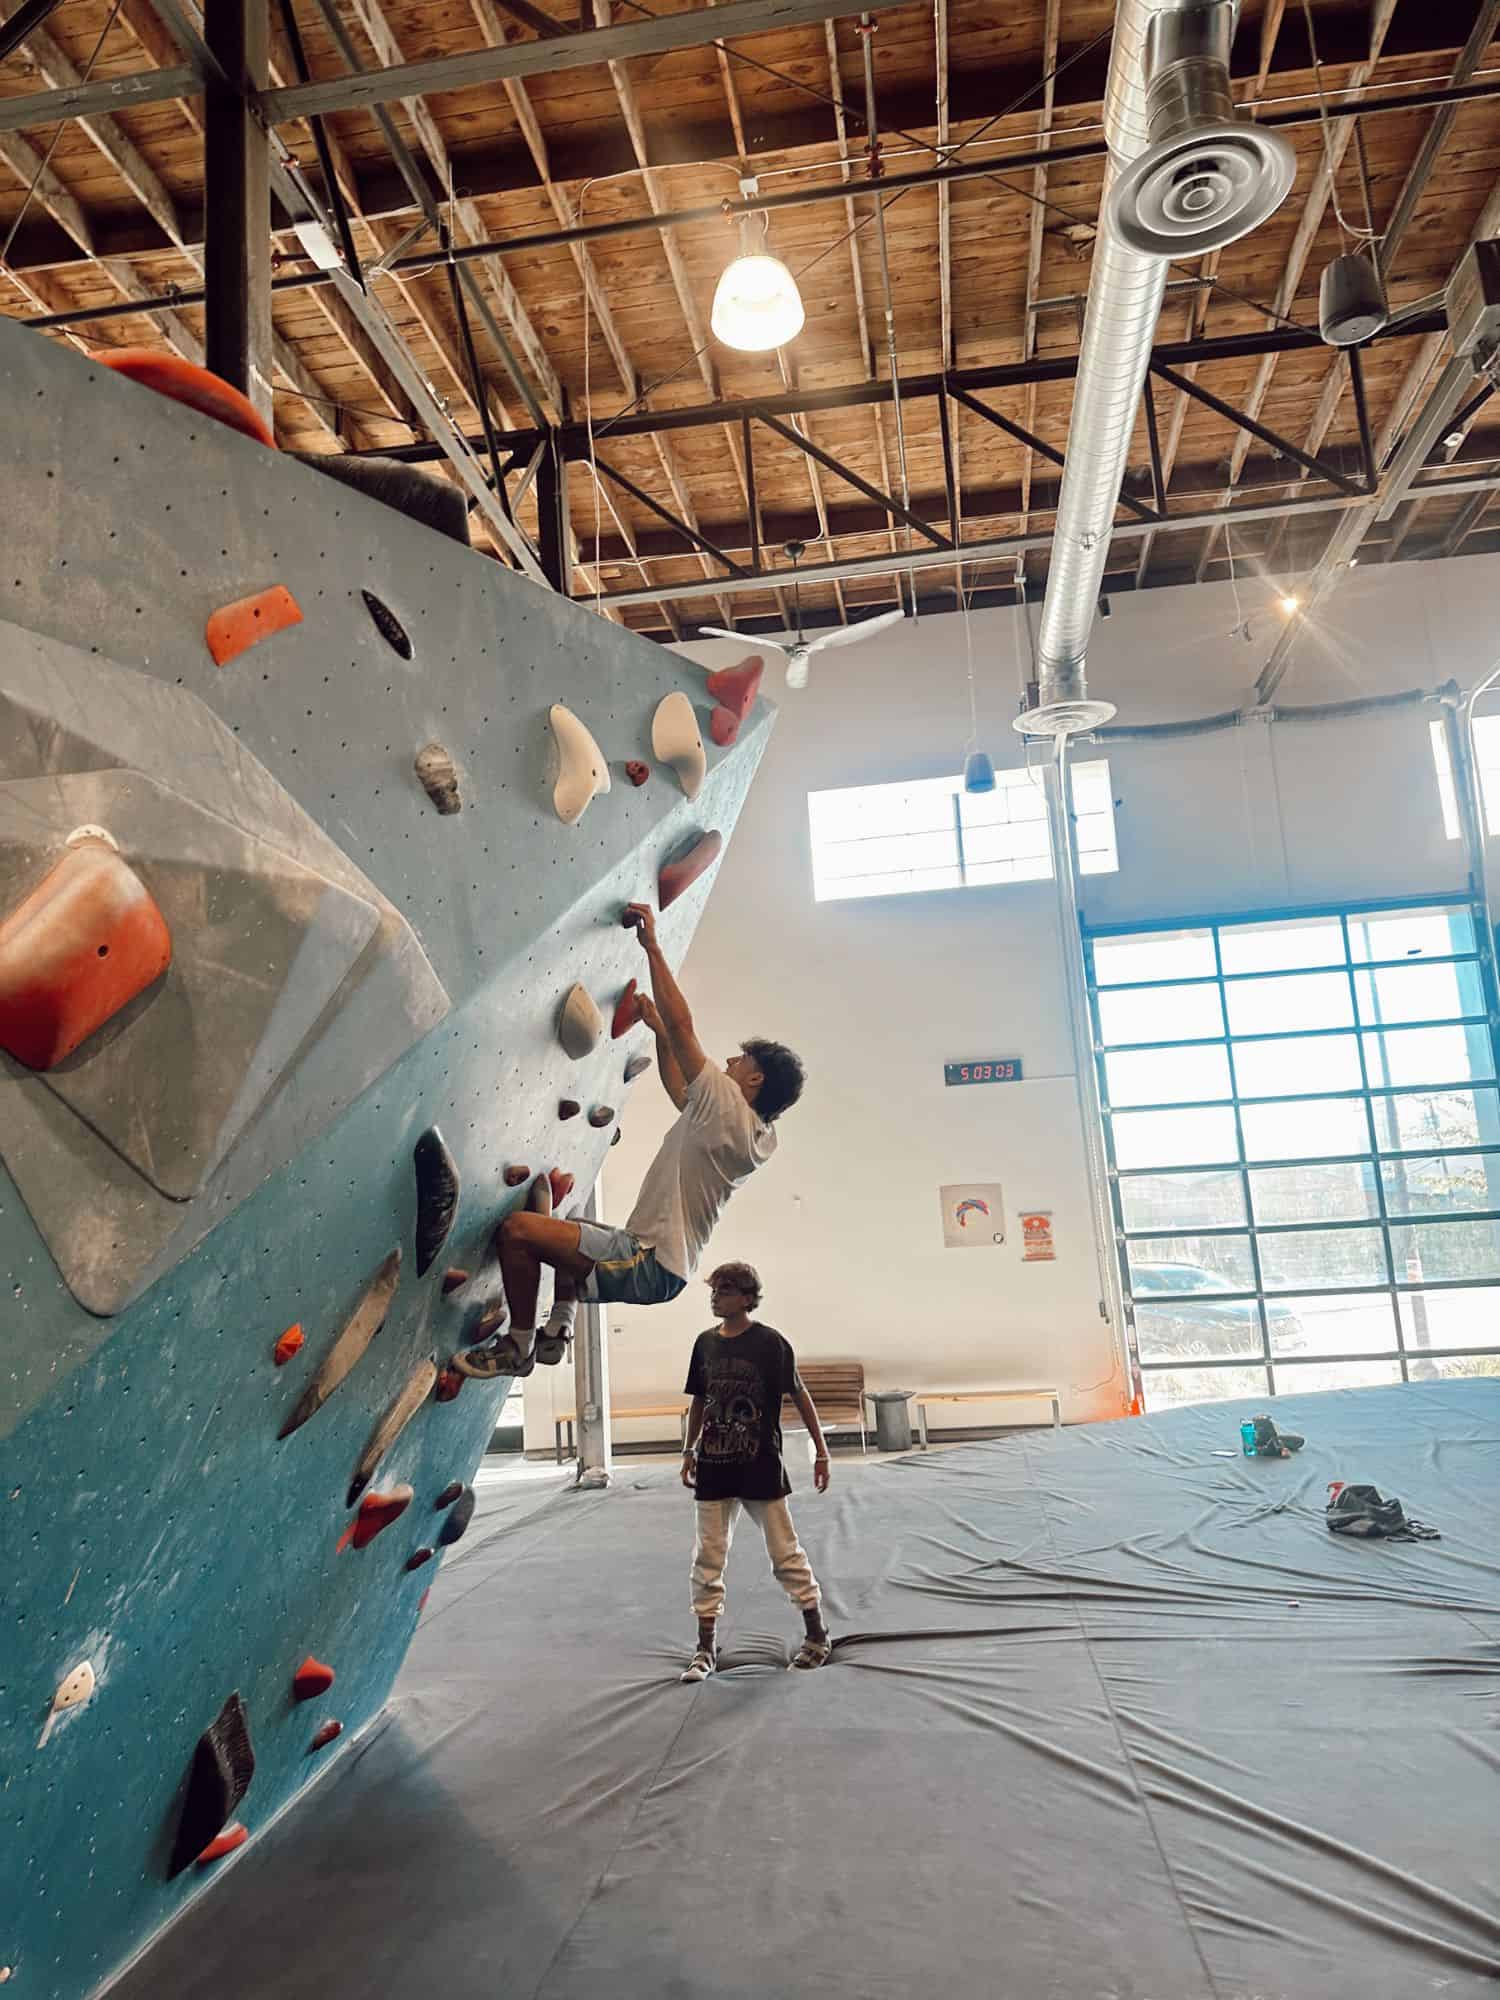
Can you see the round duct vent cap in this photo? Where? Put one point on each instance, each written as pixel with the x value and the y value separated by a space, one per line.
pixel 1064 718
pixel 1351 302
pixel 1201 190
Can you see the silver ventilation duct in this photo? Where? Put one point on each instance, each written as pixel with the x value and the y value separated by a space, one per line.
pixel 1185 176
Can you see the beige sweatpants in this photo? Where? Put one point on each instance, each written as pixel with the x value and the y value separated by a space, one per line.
pixel 716 1519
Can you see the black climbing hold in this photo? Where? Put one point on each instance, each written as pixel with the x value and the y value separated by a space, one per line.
pixel 417 1557
pixel 449 1494
pixel 568 1107
pixel 219 1777
pixel 459 1517
pixel 387 624
pixel 516 1176
pixel 616 1138
pixel 602 1115
pixel 437 1195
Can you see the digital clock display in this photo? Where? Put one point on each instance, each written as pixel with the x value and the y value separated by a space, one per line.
pixel 993 1069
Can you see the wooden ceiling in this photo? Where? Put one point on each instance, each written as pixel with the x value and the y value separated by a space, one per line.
pixel 983 271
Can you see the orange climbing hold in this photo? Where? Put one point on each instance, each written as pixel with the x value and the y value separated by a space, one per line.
pixel 223 1843
pixel 185 382
pixel 683 871
pixel 325 1735
pixel 454 1279
pixel 234 628
pixel 627 1012
pixel 81 946
pixel 561 1185
pixel 376 1513
pixel 287 1346
pixel 311 1679
pixel 735 688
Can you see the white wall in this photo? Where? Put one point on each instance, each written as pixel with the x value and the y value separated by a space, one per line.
pixel 844 1225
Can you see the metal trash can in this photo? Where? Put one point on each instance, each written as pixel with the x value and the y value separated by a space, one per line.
pixel 893 1418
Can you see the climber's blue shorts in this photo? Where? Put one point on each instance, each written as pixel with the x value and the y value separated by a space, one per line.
pixel 625 1269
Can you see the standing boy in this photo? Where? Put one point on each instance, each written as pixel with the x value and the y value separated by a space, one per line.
pixel 739 1373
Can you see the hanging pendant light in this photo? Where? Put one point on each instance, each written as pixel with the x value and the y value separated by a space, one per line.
pixel 979 772
pixel 757 306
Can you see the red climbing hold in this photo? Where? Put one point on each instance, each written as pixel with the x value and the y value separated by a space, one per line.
pixel 723 727
pixel 569 1108
pixel 637 772
pixel 325 1735
pixel 735 688
pixel 561 1184
pixel 517 1176
pixel 448 1384
pixel 185 382
pixel 86 941
pixel 454 1279
pixel 287 1346
pixel 376 1513
pixel 311 1679
pixel 683 870
pixel 417 1557
pixel 422 1600
pixel 234 628
pixel 223 1843
pixel 627 1012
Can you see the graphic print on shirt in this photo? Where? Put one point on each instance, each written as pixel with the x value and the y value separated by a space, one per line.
pixel 733 1411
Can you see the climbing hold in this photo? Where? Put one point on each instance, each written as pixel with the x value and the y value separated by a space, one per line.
pixel 413 1394
pixel 186 382
pixel 582 773
pixel 218 1778
pixel 454 1280
pixel 449 1494
pixel 222 1844
pixel 735 688
pixel 514 1176
pixel 568 1107
pixel 85 942
pixel 580 1024
pixel 637 772
pixel 376 1513
pixel 288 1345
pixel 602 1115
pixel 449 1382
pixel 234 628
pixel 417 1557
pixel 627 1012
pixel 422 1600
pixel 723 727
pixel 618 1135
pixel 437 1195
pixel 489 1323
pixel 311 1679
pixel 683 870
pixel 675 739
pixel 363 1324
pixel 439 776
pixel 72 1691
pixel 637 1066
pixel 561 1185
pixel 387 624
pixel 325 1735
pixel 459 1517
pixel 538 1198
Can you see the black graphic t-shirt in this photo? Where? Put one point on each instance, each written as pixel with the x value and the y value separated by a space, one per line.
pixel 742 1379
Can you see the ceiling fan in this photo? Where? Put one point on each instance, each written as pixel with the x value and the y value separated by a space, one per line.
pixel 799 651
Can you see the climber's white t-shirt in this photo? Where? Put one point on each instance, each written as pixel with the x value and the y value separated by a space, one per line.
pixel 714 1147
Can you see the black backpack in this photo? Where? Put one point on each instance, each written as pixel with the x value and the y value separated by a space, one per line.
pixel 1359 1510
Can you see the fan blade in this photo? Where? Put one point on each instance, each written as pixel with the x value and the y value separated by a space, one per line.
pixel 845 635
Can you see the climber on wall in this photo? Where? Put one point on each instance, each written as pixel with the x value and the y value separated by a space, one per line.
pixel 723 1134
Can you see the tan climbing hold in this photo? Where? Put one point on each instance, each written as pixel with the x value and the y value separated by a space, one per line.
pixel 580 1024
pixel 582 773
pixel 677 743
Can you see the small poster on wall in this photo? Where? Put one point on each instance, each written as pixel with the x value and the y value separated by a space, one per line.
pixel 973 1215
pixel 1036 1236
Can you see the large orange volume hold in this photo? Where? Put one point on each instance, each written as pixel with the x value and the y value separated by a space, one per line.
pixel 186 382
pixel 81 946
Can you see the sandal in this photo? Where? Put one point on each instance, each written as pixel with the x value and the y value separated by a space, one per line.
pixel 494 1358
pixel 813 1653
pixel 703 1663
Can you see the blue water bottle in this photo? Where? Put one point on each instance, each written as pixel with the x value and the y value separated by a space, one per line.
pixel 1247 1437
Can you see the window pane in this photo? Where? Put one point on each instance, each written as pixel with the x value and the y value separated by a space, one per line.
pixel 1467 1364
pixel 1167 1076
pixel 1190 1266
pixel 1280 947
pixel 1343 1193
pixel 1161 1014
pixel 1423 1122
pixel 1193 1329
pixel 1321 1259
pixel 1429 1055
pixel 1467 1318
pixel 1037 868
pixel 1450 1183
pixel 1167 1387
pixel 1300 1378
pixel 1181 1201
pixel 1333 1323
pixel 1025 841
pixel 1432 1252
pixel 860 812
pixel 1125 961
pixel 1411 933
pixel 1173 1138
pixel 1393 993
pixel 1305 1131
pixel 1017 795
pixel 897 883
pixel 1287 1069
pixel 1294 1002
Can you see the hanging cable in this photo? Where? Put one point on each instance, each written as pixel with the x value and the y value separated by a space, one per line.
pixel 1352 231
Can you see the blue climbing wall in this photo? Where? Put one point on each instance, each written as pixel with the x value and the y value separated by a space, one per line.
pixel 153 1524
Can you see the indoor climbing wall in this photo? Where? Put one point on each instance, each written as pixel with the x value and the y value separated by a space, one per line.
pixel 315 832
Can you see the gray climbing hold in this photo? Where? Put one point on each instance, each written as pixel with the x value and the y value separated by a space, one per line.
pixel 439 775
pixel 637 1066
pixel 437 1195
pixel 413 1394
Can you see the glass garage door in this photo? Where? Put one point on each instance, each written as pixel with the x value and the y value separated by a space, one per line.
pixel 1304 1141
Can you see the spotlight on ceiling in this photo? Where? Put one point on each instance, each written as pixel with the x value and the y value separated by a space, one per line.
pixel 757 306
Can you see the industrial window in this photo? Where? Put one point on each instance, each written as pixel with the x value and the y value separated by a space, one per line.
pixel 1487 757
pixel 895 840
pixel 1303 1128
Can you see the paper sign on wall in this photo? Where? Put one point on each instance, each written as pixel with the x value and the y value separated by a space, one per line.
pixel 973 1215
pixel 1036 1236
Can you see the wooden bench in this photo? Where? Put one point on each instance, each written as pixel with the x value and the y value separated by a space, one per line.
pixel 838 1392
pixel 984 1396
pixel 679 1410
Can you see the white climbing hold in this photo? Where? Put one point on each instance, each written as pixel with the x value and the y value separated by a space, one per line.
pixel 582 772
pixel 580 1024
pixel 76 1688
pixel 676 741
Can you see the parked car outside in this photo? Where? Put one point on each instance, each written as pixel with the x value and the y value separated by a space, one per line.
pixel 1208 1326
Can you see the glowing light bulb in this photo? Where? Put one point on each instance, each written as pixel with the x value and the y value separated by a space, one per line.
pixel 1288 604
pixel 757 305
